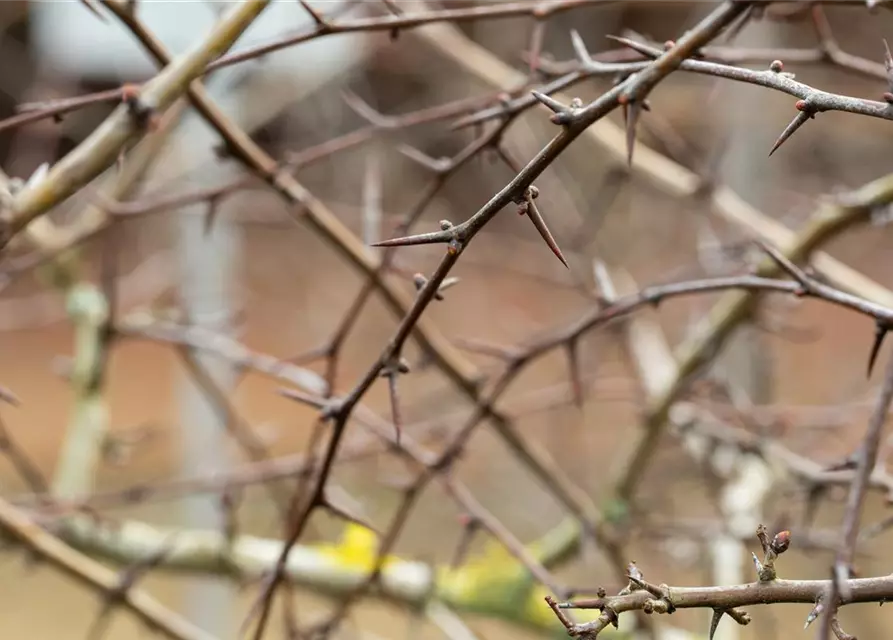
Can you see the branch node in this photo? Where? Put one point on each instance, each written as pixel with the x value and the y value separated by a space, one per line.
pixel 142 113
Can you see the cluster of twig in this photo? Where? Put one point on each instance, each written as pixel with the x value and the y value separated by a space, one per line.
pixel 147 111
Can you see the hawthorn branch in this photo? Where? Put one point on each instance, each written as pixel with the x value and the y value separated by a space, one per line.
pixel 122 128
pixel 93 575
pixel 778 591
pixel 669 176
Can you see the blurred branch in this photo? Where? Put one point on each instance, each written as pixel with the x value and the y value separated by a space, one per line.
pixel 89 308
pixel 16 524
pixel 305 207
pixel 125 125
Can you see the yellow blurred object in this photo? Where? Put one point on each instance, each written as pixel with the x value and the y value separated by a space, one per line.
pixel 357 549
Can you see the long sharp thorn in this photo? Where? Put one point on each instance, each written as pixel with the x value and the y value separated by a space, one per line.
pixel 550 102
pixel 423 238
pixel 714 622
pixel 879 334
pixel 635 108
pixel 537 219
pixel 814 614
pixel 789 130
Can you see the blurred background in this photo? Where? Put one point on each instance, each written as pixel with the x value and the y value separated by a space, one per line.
pixel 280 289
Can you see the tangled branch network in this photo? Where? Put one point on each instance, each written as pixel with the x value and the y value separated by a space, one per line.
pixel 63 520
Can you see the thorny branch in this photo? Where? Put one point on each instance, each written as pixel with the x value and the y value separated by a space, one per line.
pixel 640 67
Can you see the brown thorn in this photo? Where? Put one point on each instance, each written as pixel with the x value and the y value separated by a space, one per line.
pixel 631 110
pixel 553 104
pixel 796 123
pixel 436 237
pixel 880 333
pixel 540 224
pixel 395 404
pixel 714 622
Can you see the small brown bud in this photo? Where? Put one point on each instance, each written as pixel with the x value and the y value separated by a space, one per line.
pixel 669 44
pixel 445 225
pixel 801 105
pixel 534 192
pixel 777 66
pixel 781 542
pixel 600 592
pixel 888 97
